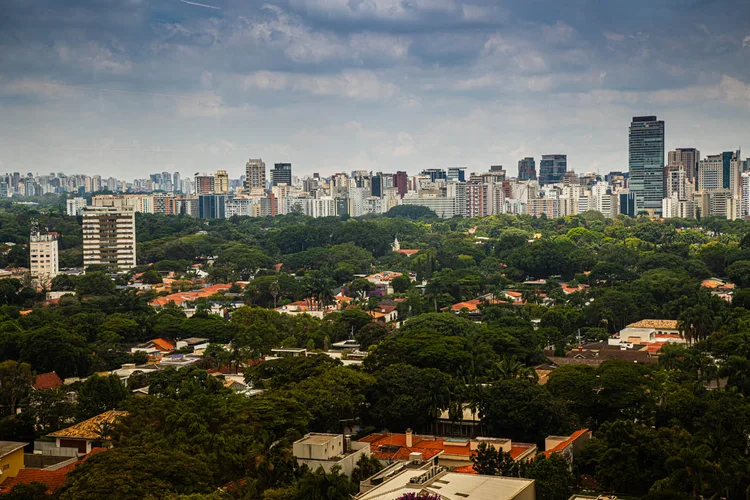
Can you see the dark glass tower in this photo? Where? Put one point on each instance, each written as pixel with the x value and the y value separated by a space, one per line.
pixel 281 174
pixel 552 168
pixel 646 163
pixel 527 169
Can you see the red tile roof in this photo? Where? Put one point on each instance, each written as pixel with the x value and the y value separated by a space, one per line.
pixel 466 469
pixel 163 345
pixel 49 380
pixel 53 479
pixel 180 298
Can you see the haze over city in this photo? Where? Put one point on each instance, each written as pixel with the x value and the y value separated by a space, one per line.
pixel 132 87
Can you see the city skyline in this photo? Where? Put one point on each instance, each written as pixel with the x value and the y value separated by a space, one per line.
pixel 387 85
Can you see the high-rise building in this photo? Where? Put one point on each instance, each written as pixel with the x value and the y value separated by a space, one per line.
pixel 204 183
pixel 435 174
pixel 720 171
pixel 43 256
pixel 212 206
pixel 221 182
pixel 400 182
pixel 552 168
pixel 688 157
pixel 109 238
pixel 176 182
pixel 376 186
pixel 281 174
pixel 527 169
pixel 75 206
pixel 255 174
pixel 646 163
pixel 456 174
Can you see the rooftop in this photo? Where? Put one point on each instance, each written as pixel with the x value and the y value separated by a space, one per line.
pixel 49 380
pixel 8 447
pixel 316 438
pixel 91 428
pixel 663 324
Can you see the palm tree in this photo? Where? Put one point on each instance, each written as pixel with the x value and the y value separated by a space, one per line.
pixel 274 290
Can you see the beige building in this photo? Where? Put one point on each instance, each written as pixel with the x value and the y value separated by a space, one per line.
pixel 221 182
pixel 43 257
pixel 329 450
pixel 109 238
pixel 255 175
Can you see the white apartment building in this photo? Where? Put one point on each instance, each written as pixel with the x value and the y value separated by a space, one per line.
pixel 109 238
pixel 320 207
pixel 43 257
pixel 443 207
pixel 75 206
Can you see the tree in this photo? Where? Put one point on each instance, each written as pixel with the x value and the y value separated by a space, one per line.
pixel 94 283
pixel 99 394
pixel 739 273
pixel 321 485
pixel 367 466
pixel 400 283
pixel 136 473
pixel 31 491
pixel 50 349
pixel 63 283
pixel 151 277
pixel 51 409
pixel 15 383
pixel 554 480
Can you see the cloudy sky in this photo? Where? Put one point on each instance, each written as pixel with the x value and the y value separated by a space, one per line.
pixel 129 87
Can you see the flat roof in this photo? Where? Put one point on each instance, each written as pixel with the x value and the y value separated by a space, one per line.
pixel 317 439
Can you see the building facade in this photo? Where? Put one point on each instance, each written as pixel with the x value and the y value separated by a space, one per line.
pixel 527 169
pixel 255 174
pixel 552 169
pixel 646 163
pixel 688 158
pixel 43 257
pixel 109 238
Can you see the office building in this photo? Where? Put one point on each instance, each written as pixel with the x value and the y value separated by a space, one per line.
pixel 109 238
pixel 720 171
pixel 527 169
pixel 552 169
pixel 281 174
pixel 43 256
pixel 401 183
pixel 687 157
pixel 456 174
pixel 646 163
pixel 376 185
pixel 176 182
pixel 255 175
pixel 212 206
pixel 221 182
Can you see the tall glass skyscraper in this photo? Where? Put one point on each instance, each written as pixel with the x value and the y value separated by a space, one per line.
pixel 646 163
pixel 526 169
pixel 552 169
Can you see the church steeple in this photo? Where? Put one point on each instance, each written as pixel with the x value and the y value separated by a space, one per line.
pixel 396 246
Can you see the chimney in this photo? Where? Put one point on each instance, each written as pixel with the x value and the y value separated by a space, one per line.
pixel 408 438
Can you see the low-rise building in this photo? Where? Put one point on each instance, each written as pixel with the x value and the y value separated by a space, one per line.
pixel 11 459
pixel 89 434
pixel 329 450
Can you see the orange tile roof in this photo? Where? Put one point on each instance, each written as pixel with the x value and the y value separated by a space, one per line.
pixel 466 469
pixel 561 446
pixel 89 429
pixel 513 294
pixel 53 479
pixel 49 380
pixel 408 253
pixel 163 344
pixel 27 311
pixel 180 298
pixel 664 324
pixel 471 305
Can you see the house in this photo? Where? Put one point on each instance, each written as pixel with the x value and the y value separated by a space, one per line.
pixel 660 326
pixel 649 331
pixel 397 480
pixel 447 452
pixel 383 280
pixel 329 450
pixel 156 347
pixel 183 299
pixel 52 478
pixel 596 353
pixel 89 434
pixel 49 380
pixel 568 446
pixel 11 459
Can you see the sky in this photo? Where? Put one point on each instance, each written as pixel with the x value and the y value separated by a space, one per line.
pixel 131 87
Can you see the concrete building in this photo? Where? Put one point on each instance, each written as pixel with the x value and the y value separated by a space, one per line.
pixel 400 479
pixel 109 238
pixel 75 206
pixel 204 184
pixel 329 450
pixel 212 206
pixel 11 459
pixel 646 163
pixel 688 158
pixel 444 207
pixel 43 257
pixel 221 182
pixel 255 175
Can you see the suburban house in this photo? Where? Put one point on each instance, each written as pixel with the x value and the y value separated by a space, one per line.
pixel 11 459
pixel 447 452
pixel 49 380
pixel 424 479
pixel 52 477
pixel 329 450
pixel 651 334
pixel 596 353
pixel 382 280
pixel 155 347
pixel 568 446
pixel 312 308
pixel 89 434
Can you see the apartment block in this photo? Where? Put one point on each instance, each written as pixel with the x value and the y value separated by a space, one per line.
pixel 109 238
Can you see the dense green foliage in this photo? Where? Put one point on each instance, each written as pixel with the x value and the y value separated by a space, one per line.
pixel 660 430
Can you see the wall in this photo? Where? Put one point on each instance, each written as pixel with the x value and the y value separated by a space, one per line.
pixel 11 464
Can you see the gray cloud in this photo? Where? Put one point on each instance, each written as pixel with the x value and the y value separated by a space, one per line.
pixel 136 86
